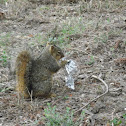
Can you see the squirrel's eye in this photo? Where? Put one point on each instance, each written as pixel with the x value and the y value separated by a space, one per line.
pixel 58 52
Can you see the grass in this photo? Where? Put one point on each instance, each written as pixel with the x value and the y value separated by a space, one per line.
pixel 107 5
pixel 102 38
pixel 62 33
pixel 44 8
pixel 38 38
pixel 105 36
pixel 4 42
pixel 3 1
pixel 4 58
pixel 16 7
pixel 4 39
pixel 118 121
pixel 4 89
pixel 91 60
pixel 53 118
pixel 66 29
pixel 125 42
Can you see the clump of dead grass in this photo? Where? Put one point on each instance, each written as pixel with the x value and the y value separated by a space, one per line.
pixel 15 8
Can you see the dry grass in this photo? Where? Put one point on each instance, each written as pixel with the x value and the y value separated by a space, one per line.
pixel 89 32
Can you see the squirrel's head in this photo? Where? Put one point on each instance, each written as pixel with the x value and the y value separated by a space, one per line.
pixel 55 51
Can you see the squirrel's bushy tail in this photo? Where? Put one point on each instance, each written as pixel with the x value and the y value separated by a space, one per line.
pixel 23 64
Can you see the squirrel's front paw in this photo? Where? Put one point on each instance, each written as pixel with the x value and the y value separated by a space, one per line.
pixel 63 63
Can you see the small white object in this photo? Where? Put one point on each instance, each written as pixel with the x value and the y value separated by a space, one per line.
pixel 71 69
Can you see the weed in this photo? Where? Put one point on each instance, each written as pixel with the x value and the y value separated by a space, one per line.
pixel 54 118
pixel 3 58
pixel 112 49
pixel 66 97
pixel 124 116
pixel 38 39
pixel 108 20
pixel 44 8
pixel 125 42
pixel 63 34
pixel 91 60
pixel 106 5
pixel 4 39
pixel 118 121
pixel 114 33
pixel 104 37
pixel 3 1
pixel 4 89
pixel 16 7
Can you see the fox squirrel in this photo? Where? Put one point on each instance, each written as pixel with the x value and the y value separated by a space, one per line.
pixel 35 75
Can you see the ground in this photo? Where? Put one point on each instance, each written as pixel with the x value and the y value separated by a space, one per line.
pixel 92 34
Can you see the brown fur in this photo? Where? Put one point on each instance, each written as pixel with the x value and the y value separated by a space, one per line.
pixel 36 75
pixel 22 71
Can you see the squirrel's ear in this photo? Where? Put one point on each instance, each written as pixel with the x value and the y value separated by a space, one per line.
pixel 51 48
pixel 47 44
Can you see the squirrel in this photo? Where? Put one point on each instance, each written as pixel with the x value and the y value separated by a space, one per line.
pixel 35 75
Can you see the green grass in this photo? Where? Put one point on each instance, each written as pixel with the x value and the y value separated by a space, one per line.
pixel 91 60
pixel 38 38
pixel 125 42
pixel 4 89
pixel 105 36
pixel 3 1
pixel 53 118
pixel 4 42
pixel 119 121
pixel 102 38
pixel 106 5
pixel 44 8
pixel 5 39
pixel 3 58
pixel 62 34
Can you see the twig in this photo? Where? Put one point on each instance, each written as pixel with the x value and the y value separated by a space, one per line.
pixel 5 78
pixel 31 96
pixel 121 60
pixel 97 96
pixel 113 116
pixel 117 44
pixel 79 50
pixel 57 101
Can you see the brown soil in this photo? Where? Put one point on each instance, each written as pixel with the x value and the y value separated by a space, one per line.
pixel 97 44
